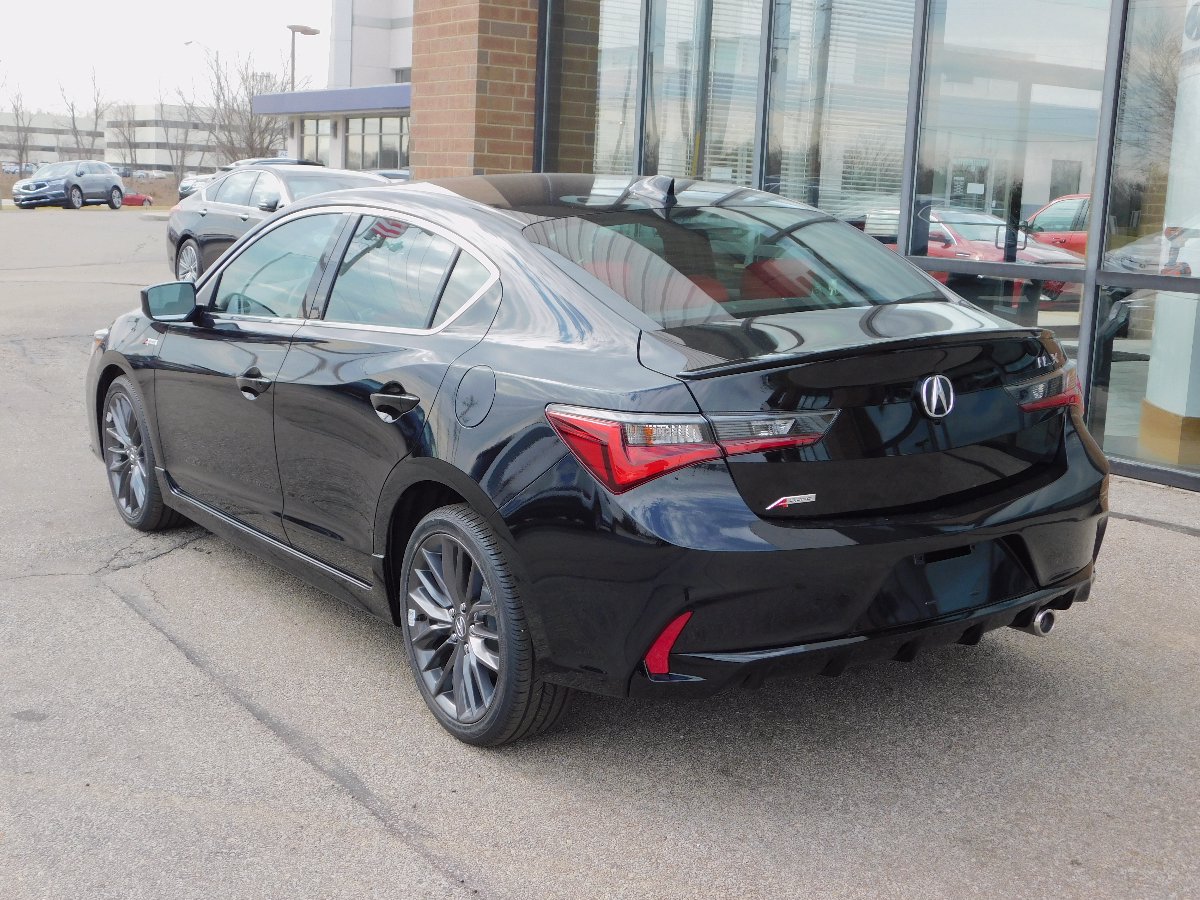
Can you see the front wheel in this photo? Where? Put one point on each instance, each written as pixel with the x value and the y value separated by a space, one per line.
pixel 74 198
pixel 465 632
pixel 129 458
pixel 115 199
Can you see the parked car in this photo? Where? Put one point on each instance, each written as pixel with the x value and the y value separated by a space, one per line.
pixel 650 438
pixel 1062 222
pixel 273 161
pixel 191 183
pixel 393 174
pixel 205 224
pixel 11 169
pixel 136 199
pixel 72 184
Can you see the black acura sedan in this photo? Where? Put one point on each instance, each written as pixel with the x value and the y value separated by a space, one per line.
pixel 205 224
pixel 642 437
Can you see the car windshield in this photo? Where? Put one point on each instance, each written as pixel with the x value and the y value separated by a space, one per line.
pixel 305 185
pixel 55 170
pixel 972 226
pixel 702 265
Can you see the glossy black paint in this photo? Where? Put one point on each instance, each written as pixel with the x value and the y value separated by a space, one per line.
pixel 912 541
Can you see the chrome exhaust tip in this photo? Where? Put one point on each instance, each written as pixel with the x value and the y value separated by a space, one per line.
pixel 1041 623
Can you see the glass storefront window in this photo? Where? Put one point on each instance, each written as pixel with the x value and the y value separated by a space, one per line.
pixel 591 70
pixel 704 88
pixel 1145 400
pixel 1154 201
pixel 1011 115
pixel 839 102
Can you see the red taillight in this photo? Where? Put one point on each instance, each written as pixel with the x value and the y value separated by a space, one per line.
pixel 1059 390
pixel 623 450
pixel 658 657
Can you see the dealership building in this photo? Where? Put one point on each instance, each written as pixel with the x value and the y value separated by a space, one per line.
pixel 1036 155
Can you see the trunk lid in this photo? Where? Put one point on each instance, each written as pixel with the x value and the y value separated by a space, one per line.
pixel 884 454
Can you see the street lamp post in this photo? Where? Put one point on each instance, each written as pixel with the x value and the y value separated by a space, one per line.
pixel 295 30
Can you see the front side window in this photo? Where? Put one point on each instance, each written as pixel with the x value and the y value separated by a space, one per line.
pixel 392 274
pixel 272 275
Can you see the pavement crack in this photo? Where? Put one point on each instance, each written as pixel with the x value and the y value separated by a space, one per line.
pixel 307 749
pixel 1157 523
pixel 113 566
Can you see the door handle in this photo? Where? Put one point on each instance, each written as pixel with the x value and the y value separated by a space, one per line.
pixel 204 211
pixel 1059 241
pixel 252 383
pixel 244 216
pixel 391 402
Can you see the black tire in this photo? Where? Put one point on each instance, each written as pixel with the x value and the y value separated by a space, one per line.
pixel 115 198
pixel 493 626
pixel 74 198
pixel 181 255
pixel 129 460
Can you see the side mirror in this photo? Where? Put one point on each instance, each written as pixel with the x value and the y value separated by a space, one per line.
pixel 946 240
pixel 174 301
pixel 269 203
pixel 79 173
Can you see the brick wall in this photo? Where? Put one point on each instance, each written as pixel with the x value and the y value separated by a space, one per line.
pixel 474 66
pixel 572 127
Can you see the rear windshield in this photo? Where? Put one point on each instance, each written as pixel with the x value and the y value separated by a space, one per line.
pixel 705 265
pixel 305 185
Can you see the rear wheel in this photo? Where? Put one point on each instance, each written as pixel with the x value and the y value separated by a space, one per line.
pixel 129 458
pixel 115 198
pixel 464 628
pixel 74 198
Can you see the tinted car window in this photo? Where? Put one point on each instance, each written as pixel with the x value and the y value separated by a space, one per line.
pixel 391 275
pixel 236 188
pixel 271 276
pixel 306 185
pixel 266 188
pixel 708 264
pixel 466 279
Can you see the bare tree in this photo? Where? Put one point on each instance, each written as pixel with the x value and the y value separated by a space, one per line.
pixel 122 122
pixel 237 132
pixel 82 134
pixel 179 124
pixel 22 125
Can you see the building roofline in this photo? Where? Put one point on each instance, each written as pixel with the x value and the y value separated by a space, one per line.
pixel 373 98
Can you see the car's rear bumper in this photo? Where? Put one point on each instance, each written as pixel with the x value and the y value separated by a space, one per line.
pixel 700 674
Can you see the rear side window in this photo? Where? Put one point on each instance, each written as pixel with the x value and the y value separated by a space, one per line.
pixel 392 274
pixel 467 279
pixel 689 266
pixel 236 188
pixel 272 275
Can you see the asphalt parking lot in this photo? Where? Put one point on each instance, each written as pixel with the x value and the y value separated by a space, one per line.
pixel 180 719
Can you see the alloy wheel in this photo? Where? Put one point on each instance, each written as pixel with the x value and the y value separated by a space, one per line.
pixel 453 628
pixel 125 456
pixel 76 198
pixel 187 266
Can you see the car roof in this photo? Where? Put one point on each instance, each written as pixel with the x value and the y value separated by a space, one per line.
pixel 528 198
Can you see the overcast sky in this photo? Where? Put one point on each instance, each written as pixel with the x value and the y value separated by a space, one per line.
pixel 43 43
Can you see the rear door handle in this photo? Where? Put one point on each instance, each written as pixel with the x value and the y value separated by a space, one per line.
pixel 391 402
pixel 244 216
pixel 252 383
pixel 204 211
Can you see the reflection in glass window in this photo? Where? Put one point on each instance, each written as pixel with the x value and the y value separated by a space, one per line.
pixel 677 34
pixel 1011 110
pixel 271 276
pixel 839 102
pixel 1145 400
pixel 390 275
pixel 1046 303
pixel 1154 204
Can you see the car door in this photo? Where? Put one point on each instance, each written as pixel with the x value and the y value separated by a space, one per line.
pixel 354 395
pixel 214 385
pixel 1055 225
pixel 224 214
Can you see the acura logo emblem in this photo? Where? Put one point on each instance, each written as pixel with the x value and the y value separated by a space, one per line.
pixel 937 396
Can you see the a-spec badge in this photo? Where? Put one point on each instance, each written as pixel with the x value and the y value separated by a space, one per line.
pixel 785 502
